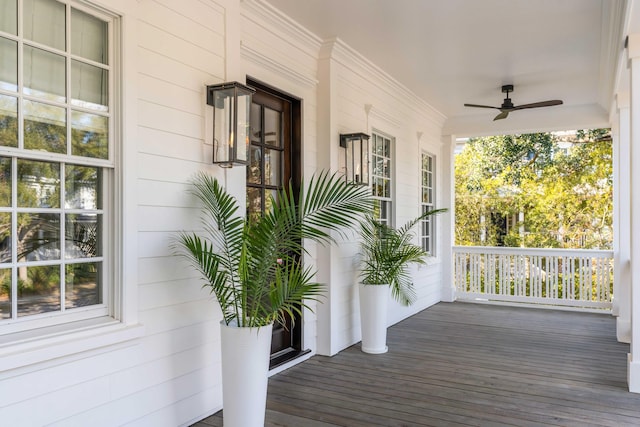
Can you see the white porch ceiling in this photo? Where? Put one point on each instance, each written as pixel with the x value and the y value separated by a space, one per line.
pixel 451 52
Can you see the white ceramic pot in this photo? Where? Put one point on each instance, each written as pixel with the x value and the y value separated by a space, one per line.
pixel 373 317
pixel 245 374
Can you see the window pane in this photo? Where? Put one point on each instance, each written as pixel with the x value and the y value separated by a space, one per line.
pixel 44 74
pixel 38 237
pixel 39 290
pixel 81 187
pixel 82 284
pixel 9 16
pixel 256 123
pixel 254 203
pixel 5 237
pixel 38 184
pixel 89 135
pixel 270 197
pixel 88 36
pixel 272 167
pixel 272 127
pixel 44 22
pixel 9 64
pixel 8 121
pixel 89 86
pixel 254 168
pixel 45 127
pixel 82 236
pixel 5 293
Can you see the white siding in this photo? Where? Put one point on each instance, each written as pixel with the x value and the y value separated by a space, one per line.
pixel 171 376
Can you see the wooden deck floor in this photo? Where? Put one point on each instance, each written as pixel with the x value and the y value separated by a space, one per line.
pixel 466 364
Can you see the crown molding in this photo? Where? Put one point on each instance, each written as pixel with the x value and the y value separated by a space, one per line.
pixel 337 50
pixel 257 57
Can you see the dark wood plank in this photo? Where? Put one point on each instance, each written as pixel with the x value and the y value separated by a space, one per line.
pixel 463 364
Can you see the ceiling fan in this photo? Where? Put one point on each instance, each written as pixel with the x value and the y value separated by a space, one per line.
pixel 507 106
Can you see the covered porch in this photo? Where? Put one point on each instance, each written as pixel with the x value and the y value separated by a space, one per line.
pixel 466 364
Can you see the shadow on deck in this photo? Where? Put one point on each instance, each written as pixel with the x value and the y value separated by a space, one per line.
pixel 466 364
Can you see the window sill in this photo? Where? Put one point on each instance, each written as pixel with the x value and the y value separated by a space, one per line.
pixel 24 349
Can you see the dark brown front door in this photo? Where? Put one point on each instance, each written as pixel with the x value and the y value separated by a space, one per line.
pixel 274 161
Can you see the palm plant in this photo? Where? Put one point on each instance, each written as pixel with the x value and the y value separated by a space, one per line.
pixel 254 265
pixel 386 253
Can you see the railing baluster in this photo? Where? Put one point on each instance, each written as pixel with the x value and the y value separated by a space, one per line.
pixel 580 278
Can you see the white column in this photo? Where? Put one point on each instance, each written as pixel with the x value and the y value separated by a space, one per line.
pixel 447 220
pixel 634 356
pixel 621 133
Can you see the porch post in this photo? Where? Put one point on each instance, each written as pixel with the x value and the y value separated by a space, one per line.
pixel 621 133
pixel 633 373
pixel 448 219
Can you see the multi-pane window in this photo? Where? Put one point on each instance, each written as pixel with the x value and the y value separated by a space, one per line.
pixel 428 224
pixel 381 151
pixel 56 157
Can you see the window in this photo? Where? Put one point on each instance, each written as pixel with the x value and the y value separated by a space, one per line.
pixel 56 163
pixel 381 177
pixel 427 202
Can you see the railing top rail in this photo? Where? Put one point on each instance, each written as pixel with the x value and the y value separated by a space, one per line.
pixel 533 251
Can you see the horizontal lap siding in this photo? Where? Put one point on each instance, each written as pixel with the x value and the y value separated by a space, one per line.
pixel 400 118
pixel 172 374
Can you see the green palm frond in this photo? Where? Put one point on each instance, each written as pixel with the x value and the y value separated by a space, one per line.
pixel 254 267
pixel 386 254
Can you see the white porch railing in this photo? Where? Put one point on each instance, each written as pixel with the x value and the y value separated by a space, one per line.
pixel 562 277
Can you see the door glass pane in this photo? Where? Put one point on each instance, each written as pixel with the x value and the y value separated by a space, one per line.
pixel 89 135
pixel 9 64
pixel 5 293
pixel 8 121
pixel 82 237
pixel 5 182
pixel 88 36
pixel 5 238
pixel 81 187
pixel 89 86
pixel 82 285
pixel 270 197
pixel 254 203
pixel 254 169
pixel 272 127
pixel 44 74
pixel 272 167
pixel 45 127
pixel 44 22
pixel 38 184
pixel 38 290
pixel 9 16
pixel 38 237
pixel 256 123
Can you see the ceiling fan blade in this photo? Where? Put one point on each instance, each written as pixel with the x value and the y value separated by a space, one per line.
pixel 502 115
pixel 539 104
pixel 480 106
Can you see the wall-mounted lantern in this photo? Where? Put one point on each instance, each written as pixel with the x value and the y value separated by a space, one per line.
pixel 356 147
pixel 232 108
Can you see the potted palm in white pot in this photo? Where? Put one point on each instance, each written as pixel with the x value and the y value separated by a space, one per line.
pixel 385 256
pixel 254 267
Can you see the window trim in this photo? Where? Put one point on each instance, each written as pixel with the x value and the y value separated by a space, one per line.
pixel 432 219
pixel 391 177
pixel 32 349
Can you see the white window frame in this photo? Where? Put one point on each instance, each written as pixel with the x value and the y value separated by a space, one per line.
pixel 24 344
pixel 428 188
pixel 378 178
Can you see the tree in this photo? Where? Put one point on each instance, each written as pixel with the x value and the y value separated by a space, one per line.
pixel 562 186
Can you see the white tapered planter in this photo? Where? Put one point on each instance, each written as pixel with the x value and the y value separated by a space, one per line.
pixel 245 374
pixel 373 317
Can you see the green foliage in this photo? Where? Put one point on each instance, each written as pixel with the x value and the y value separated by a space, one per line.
pixel 565 195
pixel 254 266
pixel 386 254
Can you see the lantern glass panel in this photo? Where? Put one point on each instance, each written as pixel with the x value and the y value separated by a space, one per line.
pixel 244 112
pixel 222 125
